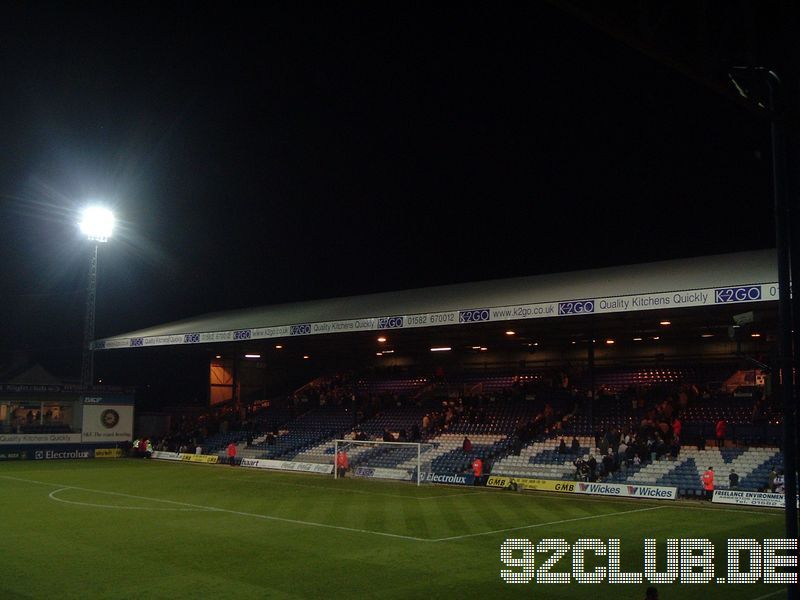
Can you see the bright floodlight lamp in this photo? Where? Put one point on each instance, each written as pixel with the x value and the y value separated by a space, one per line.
pixel 97 223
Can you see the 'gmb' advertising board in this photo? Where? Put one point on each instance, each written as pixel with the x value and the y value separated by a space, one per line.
pixel 524 483
pixel 108 453
pixel 186 457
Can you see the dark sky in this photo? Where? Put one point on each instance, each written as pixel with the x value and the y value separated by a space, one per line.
pixel 281 154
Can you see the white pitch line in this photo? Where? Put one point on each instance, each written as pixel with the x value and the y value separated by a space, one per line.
pixel 614 514
pixel 339 527
pixel 228 511
pixel 770 595
pixel 52 496
pixel 350 491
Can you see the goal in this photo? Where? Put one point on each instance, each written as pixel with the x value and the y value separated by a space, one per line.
pixel 402 461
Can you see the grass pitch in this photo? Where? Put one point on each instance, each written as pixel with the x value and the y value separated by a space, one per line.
pixel 151 529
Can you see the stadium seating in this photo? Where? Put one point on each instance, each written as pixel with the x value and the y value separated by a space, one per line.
pixel 501 406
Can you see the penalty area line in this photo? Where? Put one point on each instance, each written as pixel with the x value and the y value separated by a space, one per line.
pixel 52 496
pixel 226 510
pixel 536 525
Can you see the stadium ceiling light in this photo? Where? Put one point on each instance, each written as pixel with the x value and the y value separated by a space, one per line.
pixel 609 342
pixel 665 323
pixel 381 339
pixel 573 342
pixel 278 347
pixel 484 349
pixel 388 352
pixel 97 223
pixel 637 339
pixel 379 354
pixel 218 356
pixel 441 349
pixel 306 357
pixel 706 335
pixel 755 335
pixel 252 356
pixel 476 347
pixel 656 337
pixel 509 332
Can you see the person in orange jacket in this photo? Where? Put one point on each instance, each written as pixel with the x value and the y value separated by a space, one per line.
pixel 231 454
pixel 477 469
pixel 342 464
pixel 708 483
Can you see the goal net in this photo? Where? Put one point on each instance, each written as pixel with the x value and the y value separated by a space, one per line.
pixel 402 461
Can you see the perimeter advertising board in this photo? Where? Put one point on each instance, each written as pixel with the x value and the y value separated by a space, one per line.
pixel 39 438
pixel 655 492
pixel 749 498
pixel 287 465
pixel 524 483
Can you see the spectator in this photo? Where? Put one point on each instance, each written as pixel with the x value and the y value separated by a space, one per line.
pixel 592 464
pixel 771 480
pixel 576 446
pixel 603 446
pixel 466 446
pixel 733 478
pixel 477 469
pixel 562 447
pixel 580 465
pixel 708 483
pixel 721 428
pixel 608 462
pixel 231 454
pixel 676 427
pixel 387 435
pixel 622 449
pixel 675 448
pixel 779 483
pixel 342 463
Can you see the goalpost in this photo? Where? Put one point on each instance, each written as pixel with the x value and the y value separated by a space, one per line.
pixel 402 461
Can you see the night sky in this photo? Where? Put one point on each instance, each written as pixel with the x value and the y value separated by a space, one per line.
pixel 286 154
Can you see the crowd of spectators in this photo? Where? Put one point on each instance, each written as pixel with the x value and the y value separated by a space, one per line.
pixel 651 429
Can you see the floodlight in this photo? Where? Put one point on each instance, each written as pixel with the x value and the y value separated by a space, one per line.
pixel 97 223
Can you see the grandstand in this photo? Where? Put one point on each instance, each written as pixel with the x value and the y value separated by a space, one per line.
pixel 513 379
pixel 507 428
